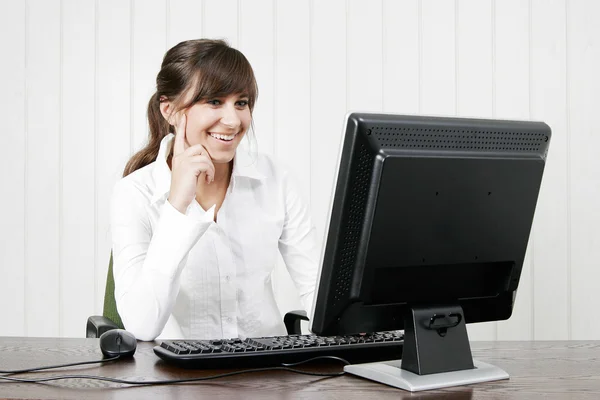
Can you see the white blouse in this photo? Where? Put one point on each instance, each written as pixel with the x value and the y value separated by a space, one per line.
pixel 185 276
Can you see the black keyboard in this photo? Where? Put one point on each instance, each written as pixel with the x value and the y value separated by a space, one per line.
pixel 275 350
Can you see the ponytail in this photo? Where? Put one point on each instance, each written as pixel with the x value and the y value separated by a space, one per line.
pixel 159 128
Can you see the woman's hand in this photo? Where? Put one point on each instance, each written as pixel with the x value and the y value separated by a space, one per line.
pixel 187 165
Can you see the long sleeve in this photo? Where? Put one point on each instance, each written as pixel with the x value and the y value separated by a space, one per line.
pixel 147 265
pixel 298 244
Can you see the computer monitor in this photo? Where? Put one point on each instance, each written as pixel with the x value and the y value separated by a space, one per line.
pixel 428 229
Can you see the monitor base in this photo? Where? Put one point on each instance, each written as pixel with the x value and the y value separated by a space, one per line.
pixel 390 373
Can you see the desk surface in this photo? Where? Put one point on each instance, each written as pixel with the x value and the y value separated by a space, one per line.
pixel 538 370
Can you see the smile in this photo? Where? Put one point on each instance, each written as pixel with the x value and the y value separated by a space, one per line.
pixel 220 136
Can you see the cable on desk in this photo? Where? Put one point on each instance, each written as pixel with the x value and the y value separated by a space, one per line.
pixel 315 359
pixel 187 380
pixel 22 371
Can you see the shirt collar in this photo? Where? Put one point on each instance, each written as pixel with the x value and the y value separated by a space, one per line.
pixel 244 166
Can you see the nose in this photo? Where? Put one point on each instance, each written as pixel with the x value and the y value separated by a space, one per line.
pixel 230 117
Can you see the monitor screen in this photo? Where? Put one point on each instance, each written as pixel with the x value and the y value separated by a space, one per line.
pixel 427 212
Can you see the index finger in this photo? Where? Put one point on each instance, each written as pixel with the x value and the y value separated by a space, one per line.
pixel 179 144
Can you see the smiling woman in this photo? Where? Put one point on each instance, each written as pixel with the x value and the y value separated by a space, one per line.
pixel 195 74
pixel 179 274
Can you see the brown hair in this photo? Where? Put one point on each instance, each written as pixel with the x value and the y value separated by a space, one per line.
pixel 207 68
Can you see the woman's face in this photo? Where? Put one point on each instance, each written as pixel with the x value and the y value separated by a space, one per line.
pixel 219 124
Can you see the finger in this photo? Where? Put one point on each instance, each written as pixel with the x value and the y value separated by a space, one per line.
pixel 200 158
pixel 179 145
pixel 210 171
pixel 210 174
pixel 200 166
pixel 204 166
pixel 195 150
pixel 197 158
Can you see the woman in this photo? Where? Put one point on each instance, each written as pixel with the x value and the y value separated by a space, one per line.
pixel 196 223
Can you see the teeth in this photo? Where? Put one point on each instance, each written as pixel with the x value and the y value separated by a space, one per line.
pixel 223 137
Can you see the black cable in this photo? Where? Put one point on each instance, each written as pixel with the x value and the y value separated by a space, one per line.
pixel 187 380
pixel 22 371
pixel 316 358
pixel 165 382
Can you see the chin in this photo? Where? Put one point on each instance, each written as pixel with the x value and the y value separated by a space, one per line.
pixel 222 160
pixel 220 157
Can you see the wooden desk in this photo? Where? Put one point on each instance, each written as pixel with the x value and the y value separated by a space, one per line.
pixel 539 370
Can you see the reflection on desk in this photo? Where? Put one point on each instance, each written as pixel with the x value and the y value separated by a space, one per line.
pixel 538 370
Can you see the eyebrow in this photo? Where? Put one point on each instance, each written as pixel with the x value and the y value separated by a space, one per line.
pixel 241 96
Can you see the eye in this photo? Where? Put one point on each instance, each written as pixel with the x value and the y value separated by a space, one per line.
pixel 242 103
pixel 214 102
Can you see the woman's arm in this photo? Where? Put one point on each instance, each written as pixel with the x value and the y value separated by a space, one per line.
pixel 298 244
pixel 147 265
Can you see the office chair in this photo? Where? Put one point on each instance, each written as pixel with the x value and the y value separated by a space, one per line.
pixel 110 319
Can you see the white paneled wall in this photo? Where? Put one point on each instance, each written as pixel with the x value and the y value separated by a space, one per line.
pixel 549 245
pixel 12 168
pixel 583 188
pixel 76 76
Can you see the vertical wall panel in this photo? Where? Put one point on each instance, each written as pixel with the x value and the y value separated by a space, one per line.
pixel 184 21
pixel 327 101
pixel 548 104
pixel 12 167
pixel 292 90
pixel 221 20
pixel 584 85
pixel 291 110
pixel 364 57
pixel 148 47
pixel 113 113
pixel 512 102
pixel 474 85
pixel 43 182
pixel 474 65
pixel 257 42
pixel 400 41
pixel 77 205
pixel 438 75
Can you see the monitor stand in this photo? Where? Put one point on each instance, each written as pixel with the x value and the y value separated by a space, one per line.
pixel 436 354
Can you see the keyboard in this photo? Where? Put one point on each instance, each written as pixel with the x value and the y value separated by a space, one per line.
pixel 274 350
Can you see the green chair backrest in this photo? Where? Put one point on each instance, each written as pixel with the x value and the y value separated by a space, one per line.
pixel 110 305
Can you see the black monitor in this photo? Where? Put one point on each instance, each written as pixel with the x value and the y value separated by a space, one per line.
pixel 428 229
